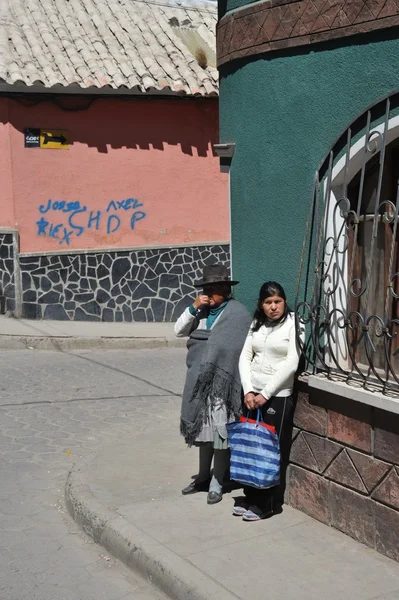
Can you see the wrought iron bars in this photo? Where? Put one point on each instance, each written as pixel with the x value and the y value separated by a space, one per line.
pixel 348 284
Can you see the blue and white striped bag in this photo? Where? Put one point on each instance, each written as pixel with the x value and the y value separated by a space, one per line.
pixel 255 453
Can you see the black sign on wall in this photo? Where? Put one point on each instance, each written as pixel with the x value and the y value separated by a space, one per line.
pixel 32 138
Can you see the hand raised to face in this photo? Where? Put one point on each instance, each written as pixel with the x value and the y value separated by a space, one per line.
pixel 201 301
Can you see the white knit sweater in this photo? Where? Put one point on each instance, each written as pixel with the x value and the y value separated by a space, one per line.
pixel 270 358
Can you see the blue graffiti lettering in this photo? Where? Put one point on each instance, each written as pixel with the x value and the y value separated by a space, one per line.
pixel 136 203
pixel 43 209
pixel 77 228
pixel 41 225
pixel 73 206
pixel 136 216
pixel 61 205
pixel 117 225
pixel 67 235
pixel 53 232
pixel 125 204
pixel 111 205
pixel 95 219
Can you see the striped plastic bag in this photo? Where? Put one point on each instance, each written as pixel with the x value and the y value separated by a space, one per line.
pixel 255 452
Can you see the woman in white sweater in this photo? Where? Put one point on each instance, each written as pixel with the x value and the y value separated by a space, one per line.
pixel 267 365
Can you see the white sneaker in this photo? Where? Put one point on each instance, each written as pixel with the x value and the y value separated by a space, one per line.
pixel 239 511
pixel 250 516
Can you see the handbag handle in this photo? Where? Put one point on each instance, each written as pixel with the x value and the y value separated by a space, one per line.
pixel 259 418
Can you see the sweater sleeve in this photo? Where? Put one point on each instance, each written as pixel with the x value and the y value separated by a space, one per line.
pixel 244 364
pixel 287 368
pixel 184 323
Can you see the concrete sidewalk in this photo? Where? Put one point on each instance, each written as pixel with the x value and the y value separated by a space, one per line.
pixel 127 497
pixel 18 334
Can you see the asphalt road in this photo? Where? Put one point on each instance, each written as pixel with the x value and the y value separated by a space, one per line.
pixel 55 408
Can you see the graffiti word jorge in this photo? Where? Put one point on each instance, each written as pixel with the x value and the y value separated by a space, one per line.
pixel 80 219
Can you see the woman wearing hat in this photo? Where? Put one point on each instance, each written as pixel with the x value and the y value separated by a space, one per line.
pixel 217 326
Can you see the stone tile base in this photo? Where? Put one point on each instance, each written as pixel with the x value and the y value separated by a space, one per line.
pixel 7 288
pixel 344 468
pixel 143 285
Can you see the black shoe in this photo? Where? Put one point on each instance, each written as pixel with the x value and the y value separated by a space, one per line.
pixel 214 497
pixel 196 486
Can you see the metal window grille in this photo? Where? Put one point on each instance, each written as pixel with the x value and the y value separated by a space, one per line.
pixel 348 283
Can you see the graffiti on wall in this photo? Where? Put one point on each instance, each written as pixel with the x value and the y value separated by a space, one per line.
pixel 62 220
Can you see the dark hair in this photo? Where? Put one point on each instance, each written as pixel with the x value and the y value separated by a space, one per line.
pixel 268 289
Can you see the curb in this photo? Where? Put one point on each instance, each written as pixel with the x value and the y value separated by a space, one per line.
pixel 172 574
pixel 23 342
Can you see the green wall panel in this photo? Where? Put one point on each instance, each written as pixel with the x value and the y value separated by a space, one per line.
pixel 284 112
pixel 230 5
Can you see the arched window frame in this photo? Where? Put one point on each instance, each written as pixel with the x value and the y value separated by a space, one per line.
pixel 326 283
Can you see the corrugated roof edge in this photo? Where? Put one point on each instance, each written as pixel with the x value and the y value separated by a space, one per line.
pixel 19 87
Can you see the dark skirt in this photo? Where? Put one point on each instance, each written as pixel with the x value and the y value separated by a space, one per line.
pixel 278 411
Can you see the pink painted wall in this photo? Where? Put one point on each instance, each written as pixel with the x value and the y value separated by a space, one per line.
pixel 6 189
pixel 154 157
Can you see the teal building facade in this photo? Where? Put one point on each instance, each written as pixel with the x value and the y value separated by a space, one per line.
pixel 309 110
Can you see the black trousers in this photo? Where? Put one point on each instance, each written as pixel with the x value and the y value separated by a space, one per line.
pixel 279 413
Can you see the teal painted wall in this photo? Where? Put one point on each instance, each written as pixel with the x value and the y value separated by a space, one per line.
pixel 284 112
pixel 229 5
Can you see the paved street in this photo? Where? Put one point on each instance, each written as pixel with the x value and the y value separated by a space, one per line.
pixel 54 409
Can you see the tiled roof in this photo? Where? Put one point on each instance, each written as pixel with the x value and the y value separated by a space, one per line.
pixel 136 45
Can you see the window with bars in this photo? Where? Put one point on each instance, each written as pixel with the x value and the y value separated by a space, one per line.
pixel 348 284
pixel 372 240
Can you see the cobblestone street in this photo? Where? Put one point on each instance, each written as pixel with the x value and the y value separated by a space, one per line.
pixel 54 409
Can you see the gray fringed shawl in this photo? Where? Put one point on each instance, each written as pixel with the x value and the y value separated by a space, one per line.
pixel 212 369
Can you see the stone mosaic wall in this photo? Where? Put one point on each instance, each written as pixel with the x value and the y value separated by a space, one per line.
pixel 344 468
pixel 7 289
pixel 144 285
